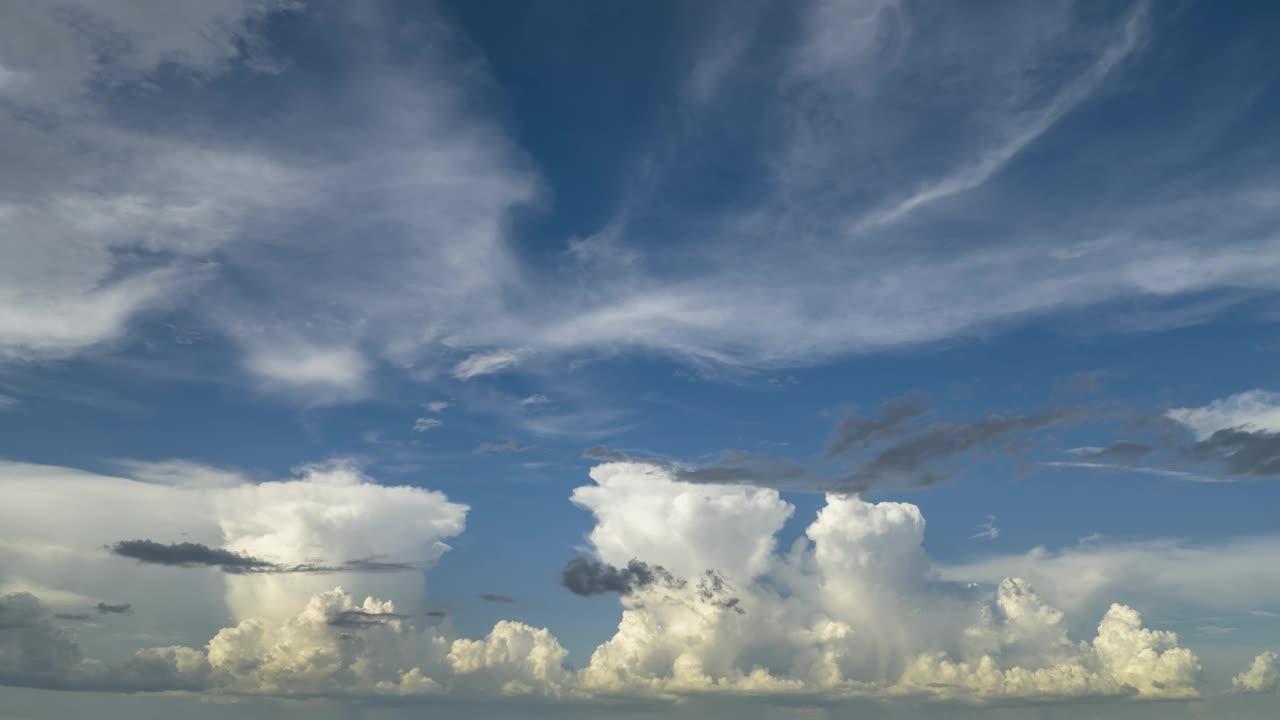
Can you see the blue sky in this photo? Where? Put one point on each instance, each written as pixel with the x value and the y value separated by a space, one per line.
pixel 936 334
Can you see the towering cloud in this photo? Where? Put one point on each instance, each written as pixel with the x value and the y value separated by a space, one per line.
pixel 250 550
pixel 854 609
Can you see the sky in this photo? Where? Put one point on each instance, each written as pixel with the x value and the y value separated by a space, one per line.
pixel 753 360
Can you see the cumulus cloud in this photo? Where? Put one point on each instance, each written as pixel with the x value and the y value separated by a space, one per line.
pixel 362 617
pixel 249 550
pixel 1262 676
pixel 333 646
pixel 514 659
pixel 854 609
pixel 329 515
pixel 641 511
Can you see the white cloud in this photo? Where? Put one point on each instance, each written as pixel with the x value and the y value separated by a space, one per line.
pixel 181 473
pixel 987 530
pixel 333 646
pixel 311 652
pixel 106 221
pixel 1262 676
pixel 485 364
pixel 332 514
pixel 423 424
pixel 641 512
pixel 437 406
pixel 853 610
pixel 1254 410
pixel 535 399
pixel 375 229
pixel 302 367
pixel 514 659
pixel 1018 135
pixel 328 514
pixel 1164 575
pixel 1138 469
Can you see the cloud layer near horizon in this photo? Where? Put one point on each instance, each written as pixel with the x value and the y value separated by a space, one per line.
pixel 855 609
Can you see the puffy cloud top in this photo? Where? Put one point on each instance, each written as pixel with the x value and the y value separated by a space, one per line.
pixel 853 610
pixel 1262 676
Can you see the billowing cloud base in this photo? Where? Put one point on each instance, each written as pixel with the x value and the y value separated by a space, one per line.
pixel 853 609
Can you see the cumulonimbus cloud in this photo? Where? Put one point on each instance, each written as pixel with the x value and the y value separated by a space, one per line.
pixel 854 610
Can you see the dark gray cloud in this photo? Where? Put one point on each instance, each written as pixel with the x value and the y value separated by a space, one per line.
pixel 862 453
pixel 370 565
pixel 73 617
pixel 919 460
pixel 109 609
pixel 741 467
pixel 1241 452
pixel 437 613
pixel 496 598
pixel 189 554
pixel 361 618
pixel 607 454
pixel 583 576
pixel 1226 455
pixel 33 651
pixel 509 446
pixel 856 432
pixel 715 590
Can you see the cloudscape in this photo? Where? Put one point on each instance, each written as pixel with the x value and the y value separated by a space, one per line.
pixel 754 360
